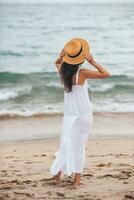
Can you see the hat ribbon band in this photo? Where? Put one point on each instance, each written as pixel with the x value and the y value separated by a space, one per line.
pixel 76 54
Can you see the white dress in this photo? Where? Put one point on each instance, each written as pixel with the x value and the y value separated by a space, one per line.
pixel 76 127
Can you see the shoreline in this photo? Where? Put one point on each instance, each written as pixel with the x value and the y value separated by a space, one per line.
pixel 105 125
pixel 54 114
pixel 57 139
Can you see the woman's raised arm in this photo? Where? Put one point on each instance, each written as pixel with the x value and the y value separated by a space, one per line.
pixel 101 73
pixel 59 60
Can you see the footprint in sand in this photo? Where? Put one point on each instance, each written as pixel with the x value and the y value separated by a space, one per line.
pixel 125 182
pixel 9 157
pixel 46 179
pixel 61 194
pixel 6 188
pixel 127 172
pixel 34 185
pixel 103 165
pixel 44 155
pixel 3 171
pixel 29 162
pixel 120 176
pixel 27 181
pixel 16 181
pixel 23 193
pixel 127 196
pixel 87 175
pixel 107 175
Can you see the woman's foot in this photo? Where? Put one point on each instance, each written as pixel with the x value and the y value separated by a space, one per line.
pixel 76 183
pixel 57 177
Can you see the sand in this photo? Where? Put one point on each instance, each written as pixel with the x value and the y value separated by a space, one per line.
pixel 108 173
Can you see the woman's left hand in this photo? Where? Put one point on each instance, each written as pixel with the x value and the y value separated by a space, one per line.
pixel 63 53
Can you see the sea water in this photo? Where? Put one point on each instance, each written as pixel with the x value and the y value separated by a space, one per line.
pixel 31 38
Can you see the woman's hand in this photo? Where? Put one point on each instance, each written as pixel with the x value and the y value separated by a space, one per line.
pixel 63 53
pixel 60 60
pixel 101 73
pixel 89 58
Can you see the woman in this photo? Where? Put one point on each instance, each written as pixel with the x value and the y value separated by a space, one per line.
pixel 78 118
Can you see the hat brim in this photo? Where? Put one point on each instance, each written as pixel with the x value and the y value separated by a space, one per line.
pixel 81 58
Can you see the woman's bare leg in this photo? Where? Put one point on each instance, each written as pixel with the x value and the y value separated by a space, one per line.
pixel 76 181
pixel 57 176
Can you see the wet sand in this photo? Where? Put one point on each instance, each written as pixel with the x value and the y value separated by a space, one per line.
pixel 16 128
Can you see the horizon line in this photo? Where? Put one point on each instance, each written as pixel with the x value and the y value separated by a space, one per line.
pixel 115 2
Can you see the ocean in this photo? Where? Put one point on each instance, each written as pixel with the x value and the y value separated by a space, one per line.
pixel 31 38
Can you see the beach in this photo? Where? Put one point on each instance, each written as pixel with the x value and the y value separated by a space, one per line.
pixel 32 100
pixel 108 172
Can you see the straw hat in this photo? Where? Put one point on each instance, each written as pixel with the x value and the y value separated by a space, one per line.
pixel 75 50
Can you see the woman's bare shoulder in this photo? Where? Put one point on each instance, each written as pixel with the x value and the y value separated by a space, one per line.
pixel 82 71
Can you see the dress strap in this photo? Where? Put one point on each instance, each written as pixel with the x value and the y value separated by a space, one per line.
pixel 77 76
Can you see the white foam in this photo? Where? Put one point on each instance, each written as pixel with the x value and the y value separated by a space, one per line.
pixel 11 93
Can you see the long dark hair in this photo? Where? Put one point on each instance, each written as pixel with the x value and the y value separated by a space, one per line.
pixel 66 73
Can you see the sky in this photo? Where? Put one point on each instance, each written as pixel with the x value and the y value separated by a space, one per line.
pixel 64 1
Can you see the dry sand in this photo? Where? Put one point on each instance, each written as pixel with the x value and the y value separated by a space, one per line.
pixel 108 174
